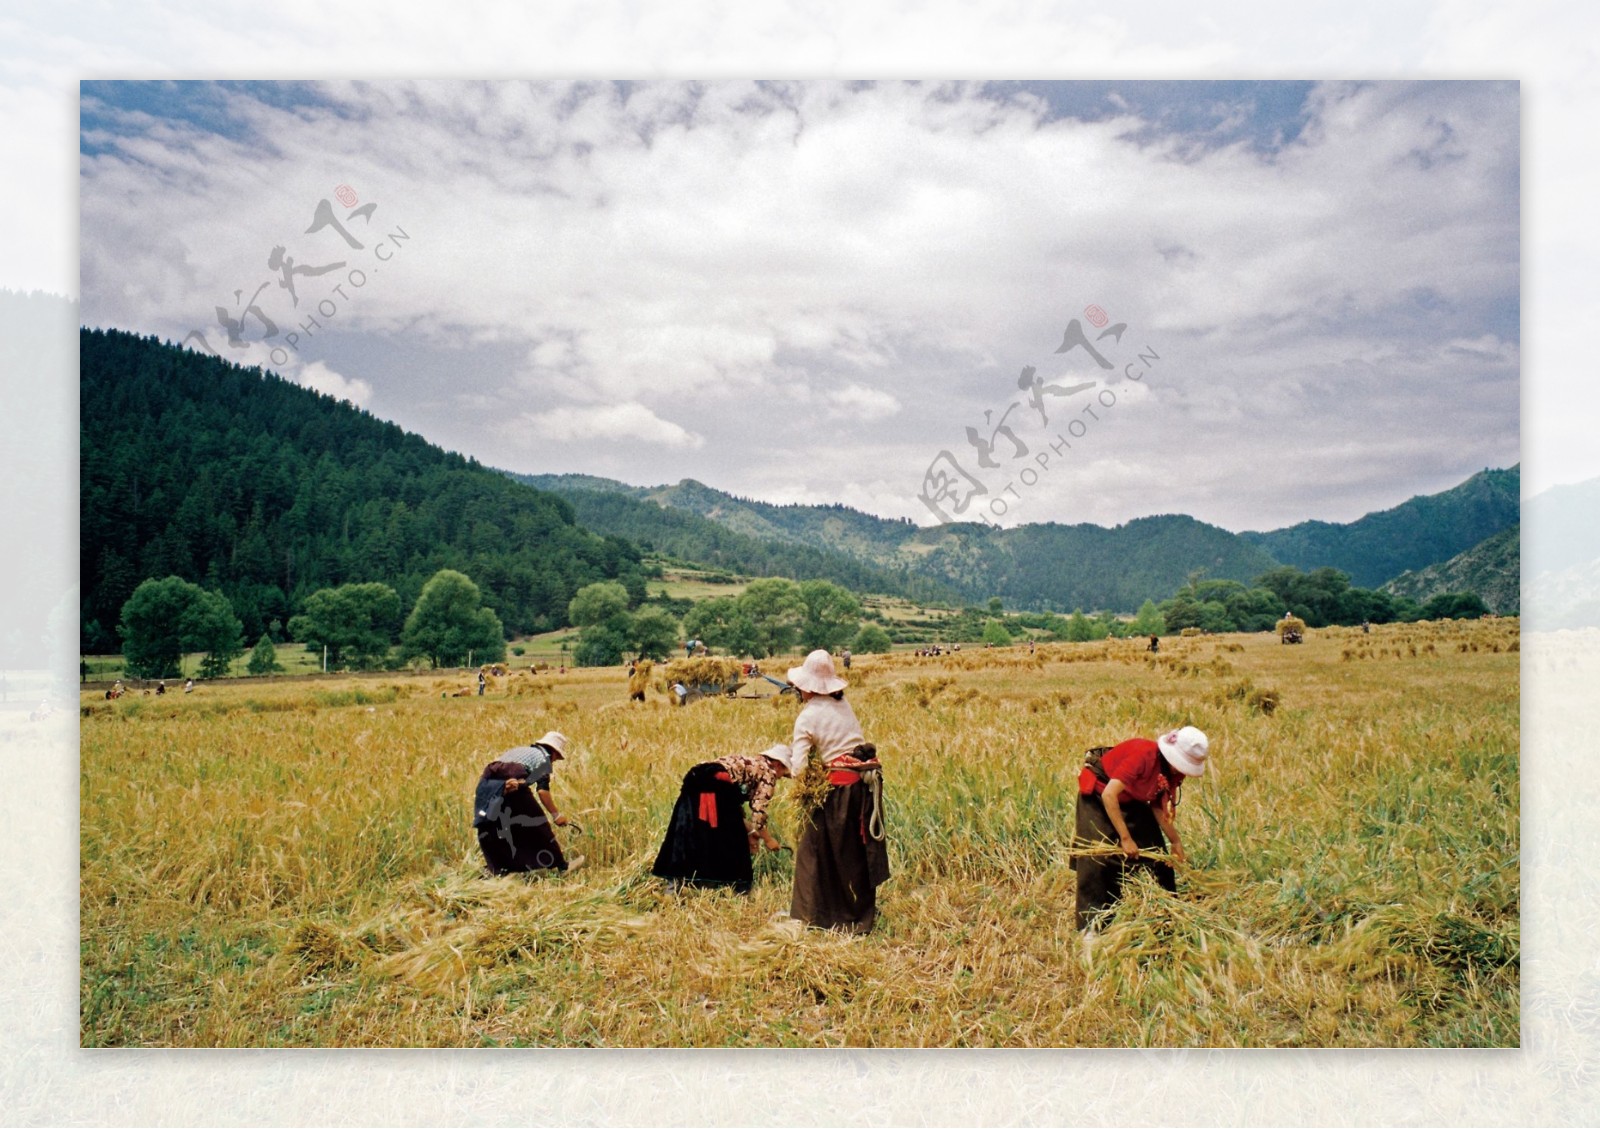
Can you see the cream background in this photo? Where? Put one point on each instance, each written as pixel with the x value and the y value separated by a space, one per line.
pixel 1554 1079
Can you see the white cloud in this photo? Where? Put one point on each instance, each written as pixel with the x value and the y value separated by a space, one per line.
pixel 865 404
pixel 320 378
pixel 612 423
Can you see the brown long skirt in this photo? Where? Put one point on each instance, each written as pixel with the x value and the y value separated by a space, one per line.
pixel 1100 877
pixel 838 865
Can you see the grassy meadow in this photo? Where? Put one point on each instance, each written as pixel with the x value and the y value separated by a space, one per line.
pixel 291 863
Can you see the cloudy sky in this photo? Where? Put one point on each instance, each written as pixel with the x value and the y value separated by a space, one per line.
pixel 820 291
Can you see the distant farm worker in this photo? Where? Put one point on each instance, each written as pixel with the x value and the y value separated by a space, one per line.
pixel 188 687
pixel 483 681
pixel 708 842
pixel 841 859
pixel 1155 644
pixel 639 679
pixel 1127 797
pixel 513 833
pixel 846 657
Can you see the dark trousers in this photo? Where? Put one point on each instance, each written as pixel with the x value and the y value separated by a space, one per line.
pixel 1100 876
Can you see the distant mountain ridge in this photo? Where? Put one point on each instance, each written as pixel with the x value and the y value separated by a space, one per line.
pixel 1491 568
pixel 1060 567
pixel 686 534
pixel 1040 566
pixel 1427 529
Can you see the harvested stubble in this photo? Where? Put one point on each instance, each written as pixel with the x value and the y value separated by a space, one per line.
pixel 262 868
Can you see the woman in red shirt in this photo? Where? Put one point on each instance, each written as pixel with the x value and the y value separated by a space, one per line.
pixel 1128 795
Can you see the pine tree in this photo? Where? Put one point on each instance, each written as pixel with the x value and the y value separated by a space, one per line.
pixel 264 659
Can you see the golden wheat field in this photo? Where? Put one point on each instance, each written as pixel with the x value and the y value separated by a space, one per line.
pixel 291 863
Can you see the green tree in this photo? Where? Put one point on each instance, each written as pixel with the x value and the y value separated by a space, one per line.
pixel 152 626
pixel 448 623
pixel 356 622
pixel 163 619
pixel 1258 609
pixel 264 658
pixel 831 616
pixel 597 603
pixel 996 605
pixel 1080 628
pixel 1214 617
pixel 1316 597
pixel 652 633
pixel 1180 611
pixel 1109 626
pixel 994 632
pixel 601 610
pixel 774 608
pixel 209 625
pixel 872 640
pixel 1455 605
pixel 722 625
pixel 600 644
pixel 1149 619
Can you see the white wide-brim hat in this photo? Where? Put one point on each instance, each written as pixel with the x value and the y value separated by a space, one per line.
pixel 1185 750
pixel 555 742
pixel 817 675
pixel 784 755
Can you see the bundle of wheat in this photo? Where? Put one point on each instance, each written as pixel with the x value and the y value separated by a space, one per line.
pixel 704 670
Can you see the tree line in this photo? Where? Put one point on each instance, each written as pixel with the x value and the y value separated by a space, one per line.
pixel 1322 597
pixel 771 616
pixel 358 624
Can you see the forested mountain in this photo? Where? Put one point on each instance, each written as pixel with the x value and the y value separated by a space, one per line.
pixel 632 512
pixel 1491 568
pixel 1062 567
pixel 1423 531
pixel 247 483
pixel 1059 567
pixel 834 528
pixel 1045 566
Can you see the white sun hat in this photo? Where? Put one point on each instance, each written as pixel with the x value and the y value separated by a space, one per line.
pixel 1185 750
pixel 816 674
pixel 555 742
pixel 784 755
